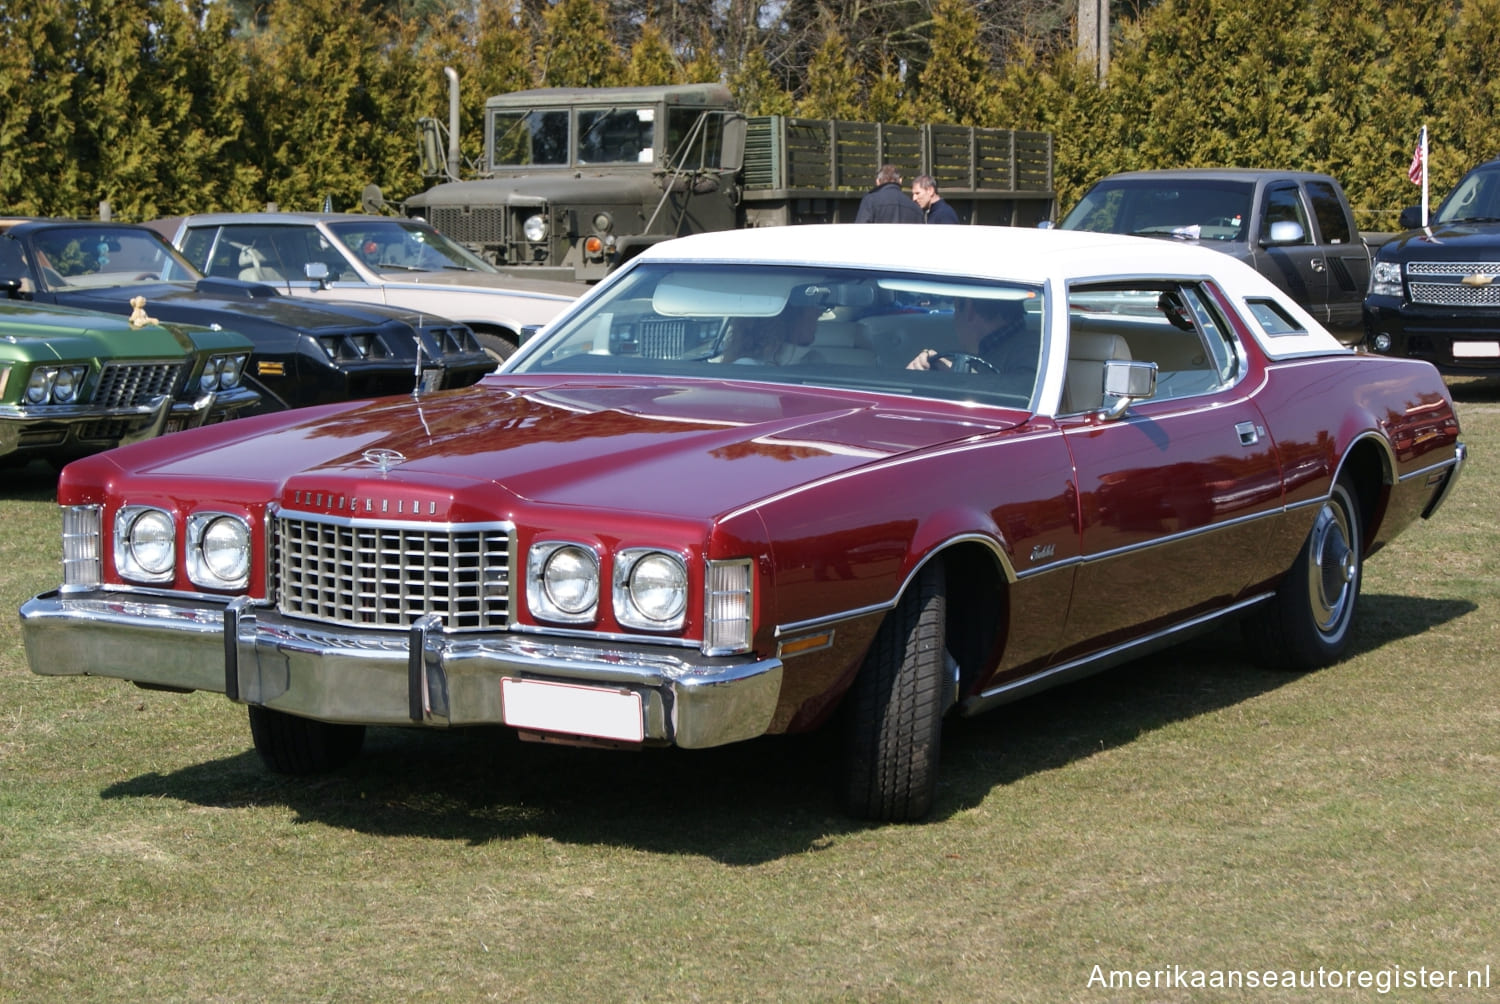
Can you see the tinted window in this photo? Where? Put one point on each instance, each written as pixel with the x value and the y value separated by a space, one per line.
pixel 1198 209
pixel 1333 222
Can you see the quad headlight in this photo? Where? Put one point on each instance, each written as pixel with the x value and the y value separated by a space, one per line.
pixel 55 384
pixel 562 581
pixel 650 589
pixel 145 543
pixel 218 550
pixel 222 372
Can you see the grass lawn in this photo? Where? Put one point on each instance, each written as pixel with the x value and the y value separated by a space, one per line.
pixel 1188 815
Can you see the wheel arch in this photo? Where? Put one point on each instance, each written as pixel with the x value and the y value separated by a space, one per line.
pixel 1370 467
pixel 978 574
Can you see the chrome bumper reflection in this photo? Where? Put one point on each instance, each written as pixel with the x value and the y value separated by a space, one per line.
pixel 421 676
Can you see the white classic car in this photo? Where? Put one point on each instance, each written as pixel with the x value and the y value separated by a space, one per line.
pixel 379 259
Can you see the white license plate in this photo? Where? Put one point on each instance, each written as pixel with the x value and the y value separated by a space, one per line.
pixel 573 709
pixel 1476 350
pixel 432 378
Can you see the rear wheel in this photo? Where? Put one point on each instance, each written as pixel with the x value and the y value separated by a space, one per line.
pixel 894 710
pixel 1308 623
pixel 496 345
pixel 292 745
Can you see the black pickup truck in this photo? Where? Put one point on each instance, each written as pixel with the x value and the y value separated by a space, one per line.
pixel 1294 227
pixel 1435 290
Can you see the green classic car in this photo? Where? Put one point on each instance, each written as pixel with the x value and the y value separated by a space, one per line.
pixel 74 382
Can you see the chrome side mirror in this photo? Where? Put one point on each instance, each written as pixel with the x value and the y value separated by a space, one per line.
pixel 1126 381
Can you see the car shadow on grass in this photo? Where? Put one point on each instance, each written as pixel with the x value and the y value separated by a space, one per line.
pixel 746 803
pixel 35 481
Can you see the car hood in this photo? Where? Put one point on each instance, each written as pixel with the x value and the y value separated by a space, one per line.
pixel 226 301
pixel 41 331
pixel 461 281
pixel 1446 241
pixel 689 449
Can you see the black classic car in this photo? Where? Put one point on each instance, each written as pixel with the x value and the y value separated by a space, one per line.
pixel 305 352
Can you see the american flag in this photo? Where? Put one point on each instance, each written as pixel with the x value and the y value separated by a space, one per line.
pixel 1418 162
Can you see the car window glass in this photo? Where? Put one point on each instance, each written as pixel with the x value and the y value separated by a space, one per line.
pixel 1283 205
pixel 707 138
pixel 1170 324
pixel 902 333
pixel 1273 318
pixel 615 135
pixel 1333 222
pixel 523 138
pixel 103 256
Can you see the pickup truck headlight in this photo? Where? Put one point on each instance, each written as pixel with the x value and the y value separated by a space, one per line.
pixel 535 228
pixel 650 589
pixel 562 582
pixel 218 550
pixel 145 544
pixel 1385 279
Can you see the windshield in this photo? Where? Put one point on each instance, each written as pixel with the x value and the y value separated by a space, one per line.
pixel 523 138
pixel 1477 197
pixel 1188 209
pixel 101 256
pixel 616 135
pixel 889 332
pixel 408 246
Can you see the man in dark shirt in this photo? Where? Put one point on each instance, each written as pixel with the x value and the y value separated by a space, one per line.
pixel 925 194
pixel 994 340
pixel 886 203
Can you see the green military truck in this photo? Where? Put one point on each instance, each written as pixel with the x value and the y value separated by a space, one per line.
pixel 575 181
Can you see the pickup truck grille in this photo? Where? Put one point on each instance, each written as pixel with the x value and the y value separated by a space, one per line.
pixel 1441 283
pixel 373 574
pixel 122 385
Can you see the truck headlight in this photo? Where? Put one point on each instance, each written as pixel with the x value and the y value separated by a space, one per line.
pixel 218 550
pixel 1385 279
pixel 562 581
pixel 535 228
pixel 650 589
pixel 145 543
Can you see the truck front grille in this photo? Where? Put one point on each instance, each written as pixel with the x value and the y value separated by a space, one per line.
pixel 479 225
pixel 123 385
pixel 1442 283
pixel 374 574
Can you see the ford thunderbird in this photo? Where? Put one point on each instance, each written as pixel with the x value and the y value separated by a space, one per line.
pixel 770 481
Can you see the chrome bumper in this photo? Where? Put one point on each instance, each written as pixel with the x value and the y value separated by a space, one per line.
pixel 423 676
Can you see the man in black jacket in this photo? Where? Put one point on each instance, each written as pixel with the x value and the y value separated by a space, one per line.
pixel 886 203
pixel 925 194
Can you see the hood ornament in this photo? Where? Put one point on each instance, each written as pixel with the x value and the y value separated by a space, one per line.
pixel 384 459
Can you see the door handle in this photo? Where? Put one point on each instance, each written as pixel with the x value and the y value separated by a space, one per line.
pixel 1317 264
pixel 1248 433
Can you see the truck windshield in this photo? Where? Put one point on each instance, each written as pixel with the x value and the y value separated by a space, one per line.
pixel 524 138
pixel 1192 210
pixel 616 135
pixel 1477 197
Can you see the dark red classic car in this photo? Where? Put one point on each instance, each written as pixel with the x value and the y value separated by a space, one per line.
pixel 763 481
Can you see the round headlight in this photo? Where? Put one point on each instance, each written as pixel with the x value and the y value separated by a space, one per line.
pixel 234 367
pixel 39 387
pixel 226 549
pixel 210 378
pixel 1382 342
pixel 152 540
pixel 571 580
pixel 658 587
pixel 65 387
pixel 535 228
pixel 603 223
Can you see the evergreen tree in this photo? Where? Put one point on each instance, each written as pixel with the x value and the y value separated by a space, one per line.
pixel 755 89
pixel 651 60
pixel 39 173
pixel 956 85
pixel 833 86
pixel 576 48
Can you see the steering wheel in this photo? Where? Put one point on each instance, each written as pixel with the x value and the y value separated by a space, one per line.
pixel 965 362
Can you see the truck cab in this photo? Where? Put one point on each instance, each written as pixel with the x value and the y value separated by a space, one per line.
pixel 1294 227
pixel 578 180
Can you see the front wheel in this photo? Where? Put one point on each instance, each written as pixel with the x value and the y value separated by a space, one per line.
pixel 894 710
pixel 1308 622
pixel 290 744
pixel 497 346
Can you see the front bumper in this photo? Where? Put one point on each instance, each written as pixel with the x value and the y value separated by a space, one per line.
pixel 424 676
pixel 57 427
pixel 1457 341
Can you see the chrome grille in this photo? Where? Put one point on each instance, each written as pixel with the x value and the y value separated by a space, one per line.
pixel 387 575
pixel 1446 288
pixel 1444 294
pixel 123 385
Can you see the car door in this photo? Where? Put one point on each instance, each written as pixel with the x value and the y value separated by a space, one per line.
pixel 1288 256
pixel 1175 497
pixel 1346 262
